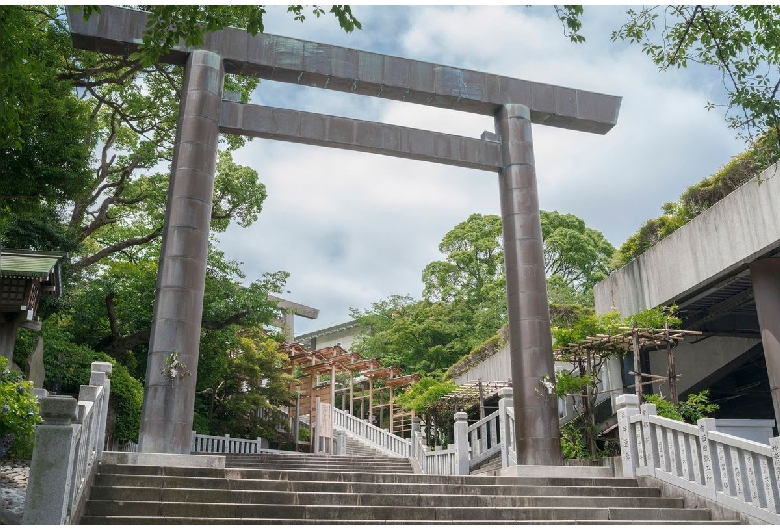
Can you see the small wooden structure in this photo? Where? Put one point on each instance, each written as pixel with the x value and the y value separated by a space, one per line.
pixel 348 382
pixel 636 340
pixel 25 276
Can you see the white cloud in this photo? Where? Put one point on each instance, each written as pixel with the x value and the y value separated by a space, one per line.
pixel 352 228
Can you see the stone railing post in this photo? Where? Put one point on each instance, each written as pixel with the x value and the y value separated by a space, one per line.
pixel 341 443
pixel 462 442
pixel 627 406
pixel 101 376
pixel 650 441
pixel 505 400
pixel 51 469
pixel 415 435
pixel 709 457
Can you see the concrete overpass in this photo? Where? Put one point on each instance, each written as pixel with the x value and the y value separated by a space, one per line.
pixel 722 270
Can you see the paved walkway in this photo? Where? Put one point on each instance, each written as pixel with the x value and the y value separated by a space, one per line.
pixel 13 484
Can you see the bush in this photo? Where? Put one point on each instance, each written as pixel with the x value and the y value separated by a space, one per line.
pixel 694 408
pixel 18 413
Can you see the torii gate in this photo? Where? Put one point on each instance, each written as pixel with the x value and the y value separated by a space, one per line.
pixel 515 104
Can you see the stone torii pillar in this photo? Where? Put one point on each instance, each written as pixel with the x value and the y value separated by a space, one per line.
pixel 530 342
pixel 168 408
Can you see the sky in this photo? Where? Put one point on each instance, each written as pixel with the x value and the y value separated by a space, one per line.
pixel 354 228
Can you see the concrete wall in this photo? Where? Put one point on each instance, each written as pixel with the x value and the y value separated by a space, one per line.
pixel 693 362
pixel 497 367
pixel 728 236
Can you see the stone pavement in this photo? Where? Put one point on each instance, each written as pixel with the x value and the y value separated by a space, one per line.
pixel 13 485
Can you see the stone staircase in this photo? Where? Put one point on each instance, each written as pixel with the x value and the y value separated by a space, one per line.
pixel 319 489
pixel 356 447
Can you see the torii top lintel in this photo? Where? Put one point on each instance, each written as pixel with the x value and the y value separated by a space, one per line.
pixel 119 31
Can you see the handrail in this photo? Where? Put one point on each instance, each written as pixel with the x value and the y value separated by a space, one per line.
pixel 372 435
pixel 205 443
pixel 437 462
pixel 68 445
pixel 738 473
pixel 484 439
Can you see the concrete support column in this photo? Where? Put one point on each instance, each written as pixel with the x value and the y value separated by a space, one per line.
pixel 765 274
pixel 536 412
pixel 166 421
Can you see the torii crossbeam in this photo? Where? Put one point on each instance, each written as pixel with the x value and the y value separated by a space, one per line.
pixel 515 104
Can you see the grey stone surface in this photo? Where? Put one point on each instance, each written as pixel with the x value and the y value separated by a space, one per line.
pixel 765 274
pixel 720 242
pixel 48 491
pixel 321 65
pixel 556 471
pixel 530 342
pixel 164 459
pixel 356 135
pixel 34 369
pixel 166 423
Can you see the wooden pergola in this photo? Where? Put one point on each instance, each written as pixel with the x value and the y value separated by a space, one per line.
pixel 475 393
pixel 331 372
pixel 636 340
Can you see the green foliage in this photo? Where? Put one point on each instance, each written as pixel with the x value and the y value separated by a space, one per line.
pixel 656 317
pixel 570 19
pixel 698 198
pixel 739 41
pixel 465 293
pixel 127 397
pixel 694 408
pixel 664 407
pixel 18 412
pixel 573 444
pixel 242 371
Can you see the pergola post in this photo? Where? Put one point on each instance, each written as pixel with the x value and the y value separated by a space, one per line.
pixel 530 342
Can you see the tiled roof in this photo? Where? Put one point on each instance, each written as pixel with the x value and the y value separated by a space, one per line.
pixel 28 264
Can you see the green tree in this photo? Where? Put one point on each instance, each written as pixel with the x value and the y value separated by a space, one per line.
pixel 18 413
pixel 739 41
pixel 244 385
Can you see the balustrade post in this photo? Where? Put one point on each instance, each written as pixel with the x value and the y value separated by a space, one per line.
pixel 773 502
pixel 462 442
pixel 51 470
pixel 709 457
pixel 650 442
pixel 627 406
pixel 227 444
pixel 101 376
pixel 505 400
pixel 194 446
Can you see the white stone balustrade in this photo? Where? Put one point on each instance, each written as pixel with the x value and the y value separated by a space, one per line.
pixel 372 435
pixel 204 443
pixel 68 444
pixel 734 472
pixel 437 462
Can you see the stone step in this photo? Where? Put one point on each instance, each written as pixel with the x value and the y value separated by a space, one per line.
pixel 240 496
pixel 159 481
pixel 116 520
pixel 331 476
pixel 384 513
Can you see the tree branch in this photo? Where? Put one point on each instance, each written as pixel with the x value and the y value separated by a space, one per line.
pixel 107 251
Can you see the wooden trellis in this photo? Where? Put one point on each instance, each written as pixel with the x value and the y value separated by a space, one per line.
pixel 323 367
pixel 632 339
